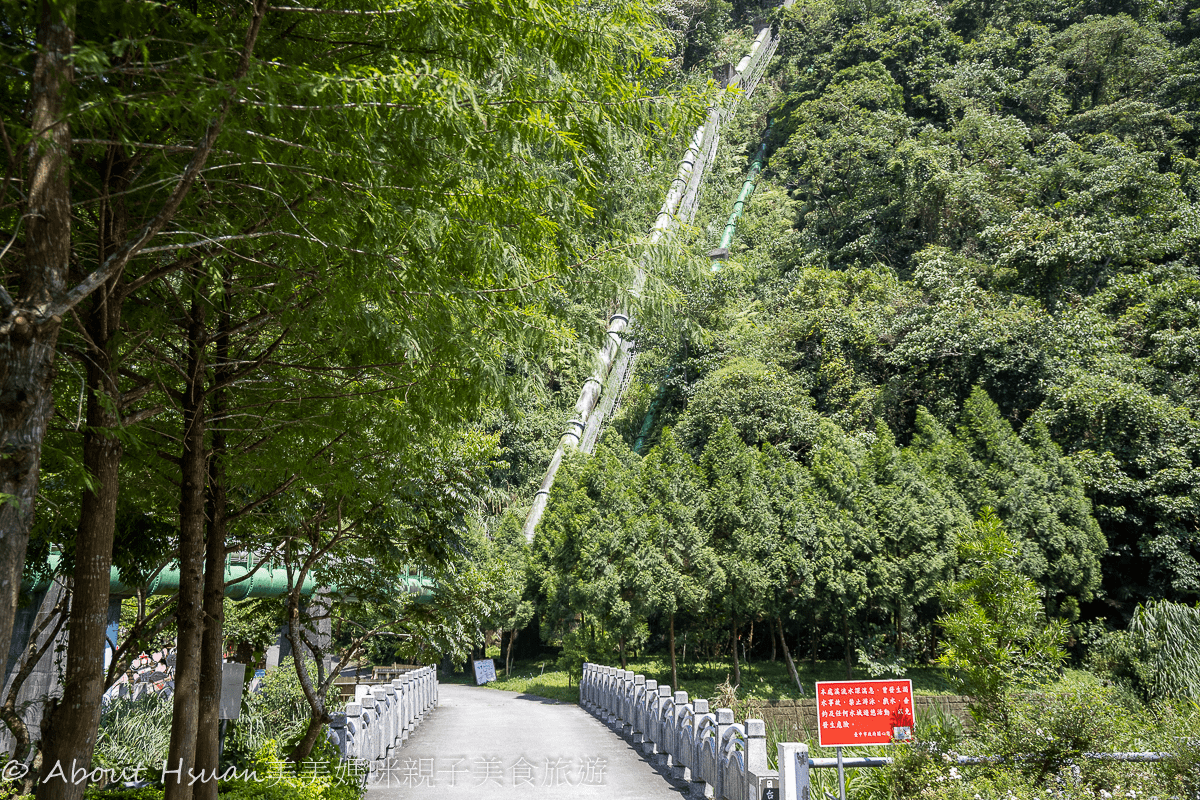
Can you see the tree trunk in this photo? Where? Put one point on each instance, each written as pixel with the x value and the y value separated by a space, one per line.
pixel 181 754
pixel 674 669
pixel 737 666
pixel 313 694
pixel 212 644
pixel 749 641
pixel 813 640
pixel 787 656
pixel 512 637
pixel 71 727
pixel 774 652
pixel 308 740
pixel 27 342
pixel 623 662
pixel 846 640
pixel 208 739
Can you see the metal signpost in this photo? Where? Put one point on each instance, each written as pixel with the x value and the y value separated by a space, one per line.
pixel 863 712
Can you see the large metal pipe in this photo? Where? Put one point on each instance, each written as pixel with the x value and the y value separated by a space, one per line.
pixel 739 205
pixel 267 580
pixel 584 426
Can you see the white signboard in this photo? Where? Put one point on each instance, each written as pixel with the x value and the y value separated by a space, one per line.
pixel 233 678
pixel 485 670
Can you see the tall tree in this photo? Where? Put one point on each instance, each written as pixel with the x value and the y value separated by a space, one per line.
pixel 677 565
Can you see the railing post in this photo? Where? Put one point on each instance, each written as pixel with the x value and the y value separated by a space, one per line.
pixel 628 690
pixel 615 719
pixel 403 691
pixel 370 723
pixel 383 719
pixel 654 727
pixel 601 678
pixel 609 696
pixel 680 758
pixel 602 705
pixel 698 787
pixel 666 728
pixel 411 686
pixel 632 720
pixel 354 730
pixel 794 781
pixel 649 691
pixel 337 732
pixel 724 723
pixel 758 770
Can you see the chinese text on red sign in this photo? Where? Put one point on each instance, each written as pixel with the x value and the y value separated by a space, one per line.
pixel 863 712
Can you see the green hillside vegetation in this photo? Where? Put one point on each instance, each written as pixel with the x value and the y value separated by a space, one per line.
pixel 967 281
pixel 323 283
pixel 939 409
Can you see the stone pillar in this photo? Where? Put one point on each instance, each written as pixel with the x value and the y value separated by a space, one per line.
pixel 624 690
pixel 681 759
pixel 794 781
pixel 337 733
pixel 43 682
pixel 354 730
pixel 756 755
pixel 641 716
pixel 635 691
pixel 280 650
pixel 665 729
pixel 724 723
pixel 654 733
pixel 697 788
pixel 320 631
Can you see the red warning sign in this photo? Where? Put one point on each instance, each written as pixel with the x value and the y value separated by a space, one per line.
pixel 864 712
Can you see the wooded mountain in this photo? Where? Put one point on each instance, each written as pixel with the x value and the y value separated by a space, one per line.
pixel 968 280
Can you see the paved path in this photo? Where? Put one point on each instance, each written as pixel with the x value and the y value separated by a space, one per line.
pixel 482 742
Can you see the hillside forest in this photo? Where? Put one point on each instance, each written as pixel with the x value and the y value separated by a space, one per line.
pixel 321 283
pixel 965 293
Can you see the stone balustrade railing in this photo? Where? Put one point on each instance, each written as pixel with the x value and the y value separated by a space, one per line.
pixel 719 758
pixel 383 715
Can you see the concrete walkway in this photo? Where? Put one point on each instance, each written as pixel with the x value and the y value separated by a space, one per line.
pixel 482 742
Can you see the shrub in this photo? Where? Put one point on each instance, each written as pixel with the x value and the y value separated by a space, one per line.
pixel 1046 735
pixel 1159 656
pixel 1182 770
pixel 141 793
pixel 319 778
pixel 278 711
pixel 996 633
pixel 133 732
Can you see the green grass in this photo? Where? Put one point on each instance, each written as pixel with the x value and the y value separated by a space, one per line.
pixel 768 680
pixel 761 680
pixel 539 677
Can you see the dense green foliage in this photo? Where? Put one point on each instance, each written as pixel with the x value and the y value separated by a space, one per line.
pixel 967 280
pixel 996 635
pixel 316 253
pixel 1041 746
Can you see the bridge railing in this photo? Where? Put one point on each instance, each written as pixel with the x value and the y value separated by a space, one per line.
pixel 383 715
pixel 718 757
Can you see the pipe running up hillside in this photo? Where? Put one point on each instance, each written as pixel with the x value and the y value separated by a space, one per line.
pixel 739 205
pixel 584 426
